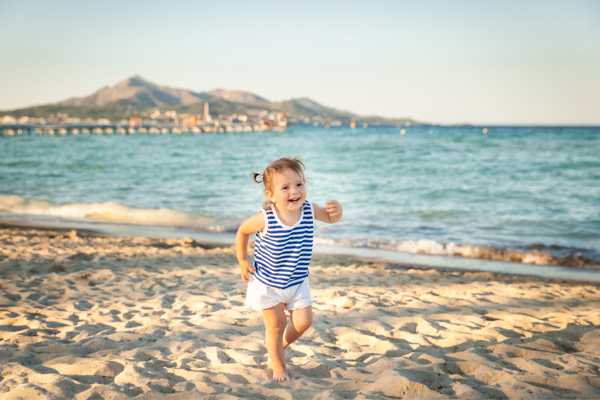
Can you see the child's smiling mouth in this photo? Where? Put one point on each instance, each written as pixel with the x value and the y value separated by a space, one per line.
pixel 295 200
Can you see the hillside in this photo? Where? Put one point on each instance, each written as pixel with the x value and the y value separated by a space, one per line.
pixel 139 92
pixel 137 96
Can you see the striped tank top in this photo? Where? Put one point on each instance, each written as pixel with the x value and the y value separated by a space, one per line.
pixel 282 253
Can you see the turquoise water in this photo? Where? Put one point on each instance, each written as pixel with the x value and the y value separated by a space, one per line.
pixel 510 188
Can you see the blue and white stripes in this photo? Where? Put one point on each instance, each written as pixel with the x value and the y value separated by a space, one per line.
pixel 282 253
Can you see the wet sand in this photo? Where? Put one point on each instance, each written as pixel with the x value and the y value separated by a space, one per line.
pixel 92 317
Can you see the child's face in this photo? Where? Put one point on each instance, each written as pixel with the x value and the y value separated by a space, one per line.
pixel 288 191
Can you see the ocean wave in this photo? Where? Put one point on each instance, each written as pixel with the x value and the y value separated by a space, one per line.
pixel 110 211
pixel 115 212
pixel 426 246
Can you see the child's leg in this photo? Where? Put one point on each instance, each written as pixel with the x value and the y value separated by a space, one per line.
pixel 300 320
pixel 275 321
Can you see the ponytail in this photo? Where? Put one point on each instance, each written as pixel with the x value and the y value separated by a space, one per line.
pixel 255 175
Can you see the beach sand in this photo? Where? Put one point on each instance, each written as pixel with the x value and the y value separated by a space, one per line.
pixel 89 317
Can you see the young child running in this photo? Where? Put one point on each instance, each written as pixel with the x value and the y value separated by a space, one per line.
pixel 278 280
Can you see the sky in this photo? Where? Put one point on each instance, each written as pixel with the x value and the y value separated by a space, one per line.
pixel 445 62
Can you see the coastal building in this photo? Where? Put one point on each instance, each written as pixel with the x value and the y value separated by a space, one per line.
pixel 135 121
pixel 281 120
pixel 206 116
pixel 9 120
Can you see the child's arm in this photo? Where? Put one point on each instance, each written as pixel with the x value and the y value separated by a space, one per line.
pixel 331 214
pixel 250 226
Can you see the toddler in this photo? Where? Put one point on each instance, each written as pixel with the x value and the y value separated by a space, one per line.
pixel 278 279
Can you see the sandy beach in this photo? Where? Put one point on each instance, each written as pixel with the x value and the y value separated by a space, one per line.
pixel 91 317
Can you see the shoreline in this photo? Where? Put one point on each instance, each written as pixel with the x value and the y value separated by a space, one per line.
pixel 90 317
pixel 224 239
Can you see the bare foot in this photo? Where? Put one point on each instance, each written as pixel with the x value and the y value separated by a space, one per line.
pixel 281 376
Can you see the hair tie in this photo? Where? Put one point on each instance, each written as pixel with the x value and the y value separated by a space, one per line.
pixel 261 174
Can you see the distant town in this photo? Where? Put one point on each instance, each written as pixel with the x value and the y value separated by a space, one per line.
pixel 153 122
pixel 157 122
pixel 171 117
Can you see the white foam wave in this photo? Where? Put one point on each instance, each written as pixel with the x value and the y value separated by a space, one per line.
pixel 110 211
pixel 425 246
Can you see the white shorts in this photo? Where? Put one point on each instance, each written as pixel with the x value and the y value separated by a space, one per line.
pixel 260 296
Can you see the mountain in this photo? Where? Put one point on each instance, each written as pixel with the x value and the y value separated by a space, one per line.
pixel 137 91
pixel 308 107
pixel 237 96
pixel 137 96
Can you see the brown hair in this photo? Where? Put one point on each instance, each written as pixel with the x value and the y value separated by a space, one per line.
pixel 276 167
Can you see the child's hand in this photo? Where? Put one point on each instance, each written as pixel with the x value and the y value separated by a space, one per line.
pixel 334 210
pixel 246 270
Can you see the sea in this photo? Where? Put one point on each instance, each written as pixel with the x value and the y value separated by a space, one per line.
pixel 455 191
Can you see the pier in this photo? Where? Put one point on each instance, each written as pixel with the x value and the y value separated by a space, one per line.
pixel 124 129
